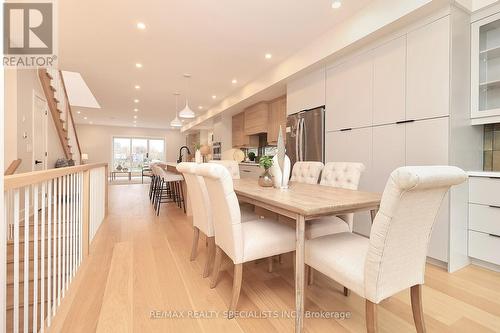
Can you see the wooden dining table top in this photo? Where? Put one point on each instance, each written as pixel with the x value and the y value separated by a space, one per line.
pixel 308 200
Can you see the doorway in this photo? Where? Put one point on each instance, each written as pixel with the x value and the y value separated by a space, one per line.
pixel 40 113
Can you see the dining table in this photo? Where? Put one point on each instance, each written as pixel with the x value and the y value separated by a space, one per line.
pixel 304 202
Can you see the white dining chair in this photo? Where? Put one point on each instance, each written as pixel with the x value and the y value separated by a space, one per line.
pixel 306 172
pixel 241 242
pixel 202 213
pixel 393 258
pixel 247 210
pixel 342 175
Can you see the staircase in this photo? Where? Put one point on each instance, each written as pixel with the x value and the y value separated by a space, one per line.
pixel 53 86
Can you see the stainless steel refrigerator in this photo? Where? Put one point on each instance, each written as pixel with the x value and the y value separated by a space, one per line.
pixel 305 135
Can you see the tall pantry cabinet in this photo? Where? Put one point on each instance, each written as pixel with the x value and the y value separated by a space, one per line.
pixel 404 101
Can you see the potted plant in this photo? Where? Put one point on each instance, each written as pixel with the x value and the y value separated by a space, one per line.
pixel 251 156
pixel 266 180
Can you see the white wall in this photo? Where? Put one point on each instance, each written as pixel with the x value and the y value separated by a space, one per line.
pixel 96 140
pixel 10 115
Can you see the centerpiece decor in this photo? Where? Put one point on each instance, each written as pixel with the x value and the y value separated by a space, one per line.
pixel 266 180
pixel 197 154
pixel 282 165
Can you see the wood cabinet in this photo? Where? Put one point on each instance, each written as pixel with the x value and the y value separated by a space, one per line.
pixel 256 117
pixel 240 139
pixel 277 118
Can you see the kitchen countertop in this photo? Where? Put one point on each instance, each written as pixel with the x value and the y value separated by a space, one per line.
pixel 249 163
pixel 494 174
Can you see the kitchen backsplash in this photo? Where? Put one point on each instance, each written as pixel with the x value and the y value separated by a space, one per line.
pixel 491 148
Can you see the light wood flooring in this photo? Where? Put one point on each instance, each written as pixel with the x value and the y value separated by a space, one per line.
pixel 139 263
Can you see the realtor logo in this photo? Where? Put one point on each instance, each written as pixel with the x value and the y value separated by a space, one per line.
pixel 28 34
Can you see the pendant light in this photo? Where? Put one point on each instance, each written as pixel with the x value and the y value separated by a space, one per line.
pixel 187 112
pixel 176 122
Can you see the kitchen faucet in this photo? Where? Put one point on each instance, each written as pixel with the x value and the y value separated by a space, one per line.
pixel 180 153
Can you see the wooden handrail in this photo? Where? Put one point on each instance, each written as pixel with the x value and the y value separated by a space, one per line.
pixel 35 177
pixel 12 167
pixel 70 112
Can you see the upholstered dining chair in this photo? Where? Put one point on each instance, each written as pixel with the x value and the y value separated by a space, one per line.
pixel 247 210
pixel 241 242
pixel 306 172
pixel 336 174
pixel 393 258
pixel 202 213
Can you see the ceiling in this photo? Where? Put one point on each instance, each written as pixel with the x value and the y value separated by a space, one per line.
pixel 215 41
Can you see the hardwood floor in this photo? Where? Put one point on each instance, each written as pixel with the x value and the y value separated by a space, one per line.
pixel 139 265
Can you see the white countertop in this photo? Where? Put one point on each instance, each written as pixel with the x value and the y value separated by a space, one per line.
pixel 494 174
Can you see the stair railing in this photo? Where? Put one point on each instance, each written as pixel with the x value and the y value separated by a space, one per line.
pixel 55 215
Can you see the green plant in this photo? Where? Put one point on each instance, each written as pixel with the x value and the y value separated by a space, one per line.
pixel 251 156
pixel 266 162
pixel 197 146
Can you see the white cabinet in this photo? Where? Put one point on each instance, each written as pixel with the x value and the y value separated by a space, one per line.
pixel 485 70
pixel 389 82
pixel 427 142
pixel 388 153
pixel 484 219
pixel 349 94
pixel 306 92
pixel 427 70
pixel 353 146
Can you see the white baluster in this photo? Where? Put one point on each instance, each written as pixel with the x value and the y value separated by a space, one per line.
pixel 35 256
pixel 59 217
pixel 16 261
pixel 26 256
pixel 50 206
pixel 42 261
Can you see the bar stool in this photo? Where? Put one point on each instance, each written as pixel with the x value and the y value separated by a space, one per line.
pixel 169 189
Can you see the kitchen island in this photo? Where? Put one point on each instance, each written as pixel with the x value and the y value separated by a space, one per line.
pixel 172 167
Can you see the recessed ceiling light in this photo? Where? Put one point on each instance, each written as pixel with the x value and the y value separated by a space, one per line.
pixel 234 81
pixel 268 55
pixel 135 117
pixel 214 97
pixel 336 4
pixel 84 118
pixel 90 122
pixel 138 65
pixel 135 125
pixel 141 26
pixel 136 100
pixel 200 107
pixel 136 110
pixel 78 112
pixel 137 87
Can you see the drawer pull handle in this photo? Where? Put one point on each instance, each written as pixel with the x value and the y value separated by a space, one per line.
pixel 493 206
pixel 494 177
pixel 246 170
pixel 405 121
pixel 493 235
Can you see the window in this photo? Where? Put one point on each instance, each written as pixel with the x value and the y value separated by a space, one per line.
pixel 132 153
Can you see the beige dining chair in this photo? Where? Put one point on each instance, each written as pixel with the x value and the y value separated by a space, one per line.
pixel 202 213
pixel 393 258
pixel 306 172
pixel 241 242
pixel 336 174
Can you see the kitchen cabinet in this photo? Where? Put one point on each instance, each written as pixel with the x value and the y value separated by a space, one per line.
pixel 277 118
pixel 389 82
pixel 427 142
pixel 388 153
pixel 306 92
pixel 256 118
pixel 485 70
pixel 239 138
pixel 349 94
pixel 250 171
pixel 428 71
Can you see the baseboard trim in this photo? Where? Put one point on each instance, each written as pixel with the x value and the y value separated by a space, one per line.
pixel 437 262
pixel 485 264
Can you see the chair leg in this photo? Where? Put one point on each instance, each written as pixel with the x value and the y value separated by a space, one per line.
pixel 417 308
pixel 310 275
pixel 280 258
pixel 347 292
pixel 371 317
pixel 238 272
pixel 270 264
pixel 210 256
pixel 194 246
pixel 183 203
pixel 216 270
